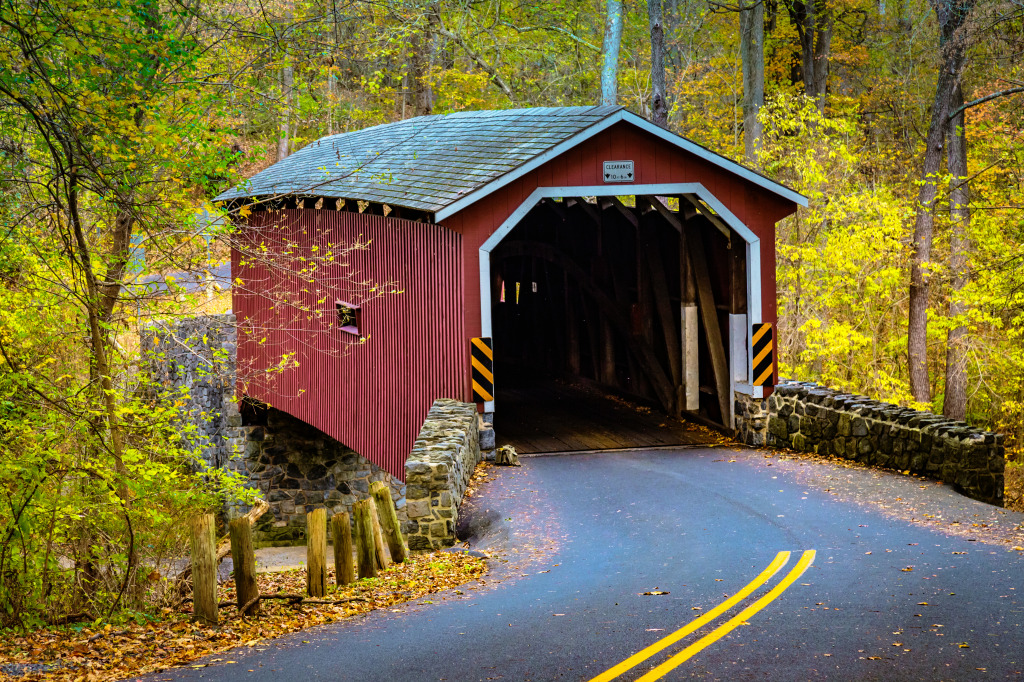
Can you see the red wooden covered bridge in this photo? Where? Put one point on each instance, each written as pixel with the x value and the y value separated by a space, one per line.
pixel 567 242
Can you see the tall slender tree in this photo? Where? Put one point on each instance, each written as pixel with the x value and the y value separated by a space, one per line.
pixel 610 52
pixel 659 106
pixel 955 401
pixel 952 15
pixel 813 21
pixel 752 54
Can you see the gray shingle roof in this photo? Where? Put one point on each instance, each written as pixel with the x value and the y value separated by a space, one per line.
pixel 425 163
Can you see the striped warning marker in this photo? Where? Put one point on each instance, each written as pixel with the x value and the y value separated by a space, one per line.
pixel 482 358
pixel 764 354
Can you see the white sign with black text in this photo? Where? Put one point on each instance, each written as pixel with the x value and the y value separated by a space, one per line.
pixel 618 171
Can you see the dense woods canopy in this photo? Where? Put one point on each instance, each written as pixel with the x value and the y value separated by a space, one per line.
pixel 121 119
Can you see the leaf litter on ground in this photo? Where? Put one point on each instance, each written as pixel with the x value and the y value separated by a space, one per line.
pixel 100 653
pixel 988 527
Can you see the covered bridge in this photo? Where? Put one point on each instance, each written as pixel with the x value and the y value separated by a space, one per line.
pixel 579 241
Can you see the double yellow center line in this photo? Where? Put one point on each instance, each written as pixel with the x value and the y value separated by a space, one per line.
pixel 781 559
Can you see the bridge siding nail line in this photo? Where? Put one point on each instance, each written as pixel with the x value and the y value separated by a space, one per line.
pixel 781 559
pixel 707 640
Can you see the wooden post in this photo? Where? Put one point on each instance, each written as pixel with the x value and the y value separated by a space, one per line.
pixel 691 358
pixel 245 566
pixel 204 570
pixel 389 520
pixel 365 548
pixel 316 553
pixel 383 560
pixel 341 529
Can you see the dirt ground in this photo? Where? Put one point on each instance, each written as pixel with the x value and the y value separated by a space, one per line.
pixel 1013 495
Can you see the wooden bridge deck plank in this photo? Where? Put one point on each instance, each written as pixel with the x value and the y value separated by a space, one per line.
pixel 556 416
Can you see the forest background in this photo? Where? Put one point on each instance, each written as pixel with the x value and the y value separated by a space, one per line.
pixel 120 120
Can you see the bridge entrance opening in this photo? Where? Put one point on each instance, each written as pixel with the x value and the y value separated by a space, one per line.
pixel 615 323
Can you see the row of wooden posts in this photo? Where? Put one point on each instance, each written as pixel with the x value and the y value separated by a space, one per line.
pixel 376 524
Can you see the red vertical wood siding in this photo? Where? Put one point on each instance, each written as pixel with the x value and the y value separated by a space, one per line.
pixel 655 162
pixel 373 397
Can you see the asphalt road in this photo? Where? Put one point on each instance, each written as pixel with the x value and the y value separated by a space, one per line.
pixel 580 538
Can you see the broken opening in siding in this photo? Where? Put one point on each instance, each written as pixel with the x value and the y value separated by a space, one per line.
pixel 350 318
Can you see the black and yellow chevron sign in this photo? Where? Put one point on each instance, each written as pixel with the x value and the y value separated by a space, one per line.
pixel 764 354
pixel 482 358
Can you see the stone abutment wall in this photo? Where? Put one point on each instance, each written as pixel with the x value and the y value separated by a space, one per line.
pixel 299 468
pixel 808 418
pixel 437 472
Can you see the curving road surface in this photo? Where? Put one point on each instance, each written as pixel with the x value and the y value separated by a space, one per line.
pixel 578 540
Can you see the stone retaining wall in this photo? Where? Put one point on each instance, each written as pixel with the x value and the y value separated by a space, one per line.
pixel 296 467
pixel 193 361
pixel 437 472
pixel 808 418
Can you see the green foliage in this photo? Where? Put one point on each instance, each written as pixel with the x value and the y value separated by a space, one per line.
pixel 106 133
pixel 841 262
pixel 119 119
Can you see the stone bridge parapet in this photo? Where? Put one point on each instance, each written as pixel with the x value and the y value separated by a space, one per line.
pixel 809 418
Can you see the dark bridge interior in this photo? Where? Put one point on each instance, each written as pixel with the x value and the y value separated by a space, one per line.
pixel 587 301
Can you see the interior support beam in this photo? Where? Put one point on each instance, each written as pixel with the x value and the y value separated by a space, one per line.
pixel 613 202
pixel 712 218
pixel 572 342
pixel 709 314
pixel 586 207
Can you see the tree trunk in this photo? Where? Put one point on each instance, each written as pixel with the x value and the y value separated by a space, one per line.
pixel 752 53
pixel 610 50
pixel 953 57
pixel 287 84
pixel 813 21
pixel 659 106
pixel 955 402
pixel 329 87
pixel 822 52
pixel 431 43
